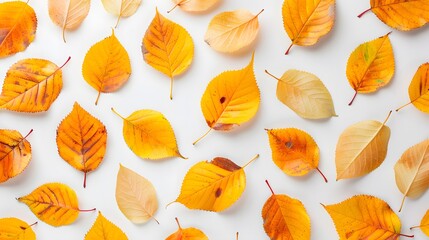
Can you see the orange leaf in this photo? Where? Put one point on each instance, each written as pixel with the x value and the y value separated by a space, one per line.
pixel 424 224
pixel 81 140
pixel 16 229
pixel 103 229
pixel 418 90
pixel 187 234
pixel 18 25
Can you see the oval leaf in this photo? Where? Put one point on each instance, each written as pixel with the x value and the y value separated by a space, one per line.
pixel 187 234
pixel 418 90
pixel 135 196
pixel 167 47
pixel 15 229
pixel 18 25
pixel 121 8
pixel 424 224
pixel 81 140
pixel 194 5
pixel 103 229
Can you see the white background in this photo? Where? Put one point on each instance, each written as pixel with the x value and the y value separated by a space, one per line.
pixel 149 89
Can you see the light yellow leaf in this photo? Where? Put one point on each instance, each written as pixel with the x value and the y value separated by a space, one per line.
pixel 121 8
pixel 195 5
pixel 15 229
pixel 103 229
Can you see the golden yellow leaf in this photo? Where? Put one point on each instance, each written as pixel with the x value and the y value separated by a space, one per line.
pixel 106 66
pixel 371 66
pixel 15 229
pixel 68 14
pixel 306 21
pixel 213 186
pixel 230 32
pixel 149 135
pixel 424 224
pixel 418 90
pixel 294 151
pixel 194 5
pixel 167 47
pixel 232 98
pixel 103 229
pixel 54 203
pixel 81 140
pixel 135 196
pixel 18 24
pixel 31 85
pixel 121 8
pixel 361 148
pixel 15 154
pixel 412 171
pixel 305 94
pixel 403 15
pixel 285 218
pixel 187 234
pixel 365 217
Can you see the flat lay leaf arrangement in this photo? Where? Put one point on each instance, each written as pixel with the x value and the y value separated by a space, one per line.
pixel 232 103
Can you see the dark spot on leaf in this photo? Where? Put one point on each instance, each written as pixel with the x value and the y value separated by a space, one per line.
pixel 218 192
pixel 289 144
pixel 222 100
pixel 225 163
pixel 23 228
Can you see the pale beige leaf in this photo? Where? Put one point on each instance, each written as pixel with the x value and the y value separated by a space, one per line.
pixel 121 8
pixel 194 5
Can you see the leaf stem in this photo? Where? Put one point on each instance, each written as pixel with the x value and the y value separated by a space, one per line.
pixel 171 88
pixel 360 15
pixel 323 175
pixel 28 134
pixel 117 21
pixel 425 225
pixel 68 59
pixel 401 107
pixel 33 224
pixel 236 236
pixel 84 179
pixel 259 12
pixel 251 160
pixel 87 210
pixel 205 134
pixel 353 99
pixel 402 203
pixel 287 51
pixel 278 79
pixel 175 6
pixel 388 116
pixel 404 235
pixel 269 186
pixel 178 223
pixel 98 97
pixel 115 112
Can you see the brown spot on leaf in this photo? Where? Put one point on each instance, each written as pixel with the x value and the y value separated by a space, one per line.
pixel 222 100
pixel 289 144
pixel 218 192
pixel 225 163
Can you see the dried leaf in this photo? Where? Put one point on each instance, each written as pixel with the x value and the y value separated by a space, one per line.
pixel 103 229
pixel 121 8
pixel 371 66
pixel 106 66
pixel 187 234
pixel 31 85
pixel 230 99
pixel 306 21
pixel 194 5
pixel 68 14
pixel 419 89
pixel 81 140
pixel 424 224
pixel 135 196
pixel 149 135
pixel 54 203
pixel 230 32
pixel 213 186
pixel 18 25
pixel 167 47
pixel 305 94
pixel 15 154
pixel 15 229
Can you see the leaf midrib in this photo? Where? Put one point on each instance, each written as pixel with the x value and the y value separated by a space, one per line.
pixel 421 161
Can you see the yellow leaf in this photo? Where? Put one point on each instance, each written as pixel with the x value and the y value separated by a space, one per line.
pixel 285 218
pixel 305 94
pixel 106 66
pixel 31 85
pixel 167 47
pixel 18 25
pixel 187 234
pixel 306 21
pixel 54 203
pixel 81 140
pixel 103 229
pixel 412 171
pixel 365 217
pixel 135 196
pixel 371 66
pixel 15 154
pixel 16 229
pixel 194 5
pixel 361 148
pixel 121 8
pixel 213 186
pixel 230 32
pixel 403 15
pixel 149 135
pixel 418 90
pixel 294 151
pixel 424 224
pixel 68 14
pixel 232 98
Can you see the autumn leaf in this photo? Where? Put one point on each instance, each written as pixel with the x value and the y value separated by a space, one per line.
pixel 81 140
pixel 285 218
pixel 54 203
pixel 16 229
pixel 230 99
pixel 31 85
pixel 103 229
pixel 419 89
pixel 18 24
pixel 194 5
pixel 412 171
pixel 294 151
pixel 15 154
pixel 305 94
pixel 229 32
pixel 187 234
pixel 121 8
pixel 68 14
pixel 213 186
pixel 403 15
pixel 424 224
pixel 149 135
pixel 306 21
pixel 135 196
pixel 167 47
pixel 106 66
pixel 371 66
pixel 365 217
